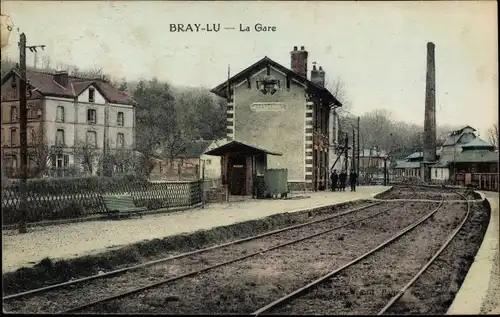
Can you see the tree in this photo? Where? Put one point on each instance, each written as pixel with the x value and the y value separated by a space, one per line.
pixel 123 85
pixel 156 120
pixel 338 90
pixel 493 136
pixel 88 157
pixel 40 154
pixel 168 120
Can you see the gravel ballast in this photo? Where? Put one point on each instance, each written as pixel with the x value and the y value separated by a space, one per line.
pixel 48 272
pixel 367 286
pixel 244 286
pixel 56 300
pixel 247 285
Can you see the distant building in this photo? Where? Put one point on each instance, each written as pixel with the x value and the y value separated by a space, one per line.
pixel 474 157
pixel 461 159
pixel 371 159
pixel 188 165
pixel 410 167
pixel 63 113
pixel 281 110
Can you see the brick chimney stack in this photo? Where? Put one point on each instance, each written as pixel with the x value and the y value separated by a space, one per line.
pixel 299 61
pixel 61 77
pixel 430 107
pixel 318 76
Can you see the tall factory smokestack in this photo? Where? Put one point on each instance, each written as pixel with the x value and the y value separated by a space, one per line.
pixel 430 108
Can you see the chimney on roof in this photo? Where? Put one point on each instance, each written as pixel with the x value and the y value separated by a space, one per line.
pixel 61 77
pixel 299 61
pixel 318 76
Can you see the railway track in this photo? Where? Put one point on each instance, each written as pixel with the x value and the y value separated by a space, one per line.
pixel 280 302
pixel 319 231
pixel 179 256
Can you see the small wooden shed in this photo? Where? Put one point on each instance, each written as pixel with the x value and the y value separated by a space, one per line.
pixel 240 163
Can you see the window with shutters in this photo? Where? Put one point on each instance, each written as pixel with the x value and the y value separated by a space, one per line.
pixel 60 160
pixel 13 134
pixel 91 116
pixel 60 137
pixel 120 119
pixel 29 112
pixel 13 161
pixel 120 141
pixel 60 114
pixel 14 116
pixel 91 138
pixel 31 136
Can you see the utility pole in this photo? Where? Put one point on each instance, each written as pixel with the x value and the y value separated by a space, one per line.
pixel 105 164
pixel 385 171
pixel 23 123
pixel 353 151
pixel 357 166
pixel 346 151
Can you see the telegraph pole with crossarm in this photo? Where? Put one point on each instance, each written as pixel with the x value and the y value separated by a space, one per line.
pixel 23 123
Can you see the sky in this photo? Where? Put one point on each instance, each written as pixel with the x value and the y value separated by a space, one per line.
pixel 377 49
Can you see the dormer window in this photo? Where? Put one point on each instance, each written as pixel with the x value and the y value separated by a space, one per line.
pixel 13 83
pixel 91 94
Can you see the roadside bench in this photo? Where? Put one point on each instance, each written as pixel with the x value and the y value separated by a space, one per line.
pixel 121 206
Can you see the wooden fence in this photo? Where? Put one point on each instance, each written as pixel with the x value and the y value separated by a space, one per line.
pixel 57 199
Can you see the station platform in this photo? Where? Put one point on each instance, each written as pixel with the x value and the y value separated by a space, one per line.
pixel 66 241
pixel 480 291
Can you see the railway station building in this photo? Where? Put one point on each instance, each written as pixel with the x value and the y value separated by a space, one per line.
pixel 285 111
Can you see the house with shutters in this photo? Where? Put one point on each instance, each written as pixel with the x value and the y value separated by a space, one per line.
pixel 64 113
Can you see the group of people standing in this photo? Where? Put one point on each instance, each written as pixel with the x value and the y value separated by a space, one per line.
pixel 339 180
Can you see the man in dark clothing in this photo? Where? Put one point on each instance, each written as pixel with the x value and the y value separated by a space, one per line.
pixel 342 180
pixel 353 178
pixel 334 179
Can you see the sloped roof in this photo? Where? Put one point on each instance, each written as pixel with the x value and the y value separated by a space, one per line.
pixel 221 90
pixel 241 148
pixel 477 156
pixel 467 126
pixel 470 156
pixel 459 137
pixel 415 155
pixel 47 86
pixel 405 164
pixel 477 143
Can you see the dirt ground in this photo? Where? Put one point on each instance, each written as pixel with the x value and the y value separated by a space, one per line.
pixel 245 286
pixel 399 192
pixel 368 285
pixel 57 300
pixel 434 292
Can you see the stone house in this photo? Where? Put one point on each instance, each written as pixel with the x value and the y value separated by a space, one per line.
pixel 283 110
pixel 64 113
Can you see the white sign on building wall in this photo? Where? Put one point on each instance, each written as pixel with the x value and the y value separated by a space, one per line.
pixel 268 106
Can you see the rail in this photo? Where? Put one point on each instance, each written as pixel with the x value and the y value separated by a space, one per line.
pixel 288 297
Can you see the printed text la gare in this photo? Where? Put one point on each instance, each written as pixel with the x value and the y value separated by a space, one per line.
pixel 216 27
